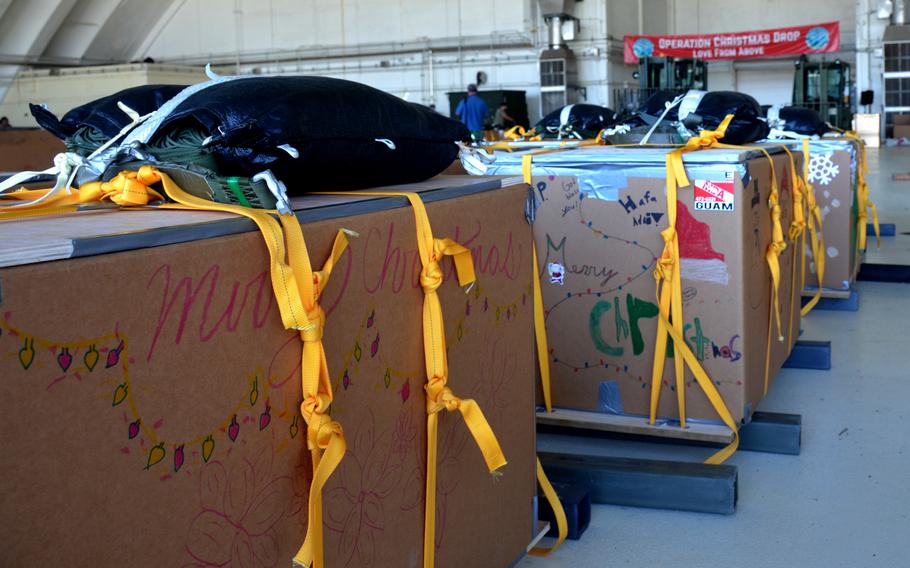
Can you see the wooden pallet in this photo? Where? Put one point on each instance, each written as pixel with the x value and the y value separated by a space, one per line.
pixel 636 425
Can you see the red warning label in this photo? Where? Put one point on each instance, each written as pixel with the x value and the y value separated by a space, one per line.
pixel 713 195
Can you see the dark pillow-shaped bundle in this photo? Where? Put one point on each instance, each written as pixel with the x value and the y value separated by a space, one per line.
pixel 584 119
pixel 710 109
pixel 314 133
pixel 800 120
pixel 103 114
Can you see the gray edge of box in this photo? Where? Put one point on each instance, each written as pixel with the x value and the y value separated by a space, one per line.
pixel 212 229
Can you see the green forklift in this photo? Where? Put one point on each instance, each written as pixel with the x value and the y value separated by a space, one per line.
pixel 824 86
pixel 672 74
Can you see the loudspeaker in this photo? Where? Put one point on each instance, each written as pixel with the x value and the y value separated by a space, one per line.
pixel 865 97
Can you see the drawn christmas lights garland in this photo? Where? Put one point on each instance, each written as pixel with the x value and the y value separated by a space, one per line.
pixel 66 357
pixel 644 219
pixel 503 312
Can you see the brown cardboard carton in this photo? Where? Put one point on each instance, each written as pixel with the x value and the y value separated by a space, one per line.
pixel 150 397
pixel 832 172
pixel 597 261
pixel 902 119
pixel 28 149
pixel 901 131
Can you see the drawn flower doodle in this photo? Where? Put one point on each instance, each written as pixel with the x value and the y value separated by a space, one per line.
pixel 356 510
pixel 241 505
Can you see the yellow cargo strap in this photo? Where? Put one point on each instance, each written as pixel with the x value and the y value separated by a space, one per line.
pixel 540 335
pixel 300 312
pixel 669 294
pixel 439 395
pixel 562 525
pixel 772 256
pixel 864 202
pixel 517 132
pixel 325 438
pixel 543 361
pixel 796 234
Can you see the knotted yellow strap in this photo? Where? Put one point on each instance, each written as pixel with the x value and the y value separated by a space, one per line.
pixel 669 294
pixel 863 201
pixel 438 395
pixel 325 437
pixel 517 132
pixel 126 190
pixel 816 236
pixel 797 237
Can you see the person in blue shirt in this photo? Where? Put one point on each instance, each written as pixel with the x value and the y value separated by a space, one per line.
pixel 473 111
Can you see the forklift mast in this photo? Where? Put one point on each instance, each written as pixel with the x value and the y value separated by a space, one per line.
pixel 824 86
pixel 672 74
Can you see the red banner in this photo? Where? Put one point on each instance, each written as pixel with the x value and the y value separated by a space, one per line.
pixel 818 38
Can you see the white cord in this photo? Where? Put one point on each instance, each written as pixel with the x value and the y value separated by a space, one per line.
pixel 278 189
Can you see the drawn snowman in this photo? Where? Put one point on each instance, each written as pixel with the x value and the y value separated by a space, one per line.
pixel 557 273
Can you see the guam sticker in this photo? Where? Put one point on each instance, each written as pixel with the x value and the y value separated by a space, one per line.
pixel 713 195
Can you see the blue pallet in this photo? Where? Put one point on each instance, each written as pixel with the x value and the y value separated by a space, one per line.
pixel 814 355
pixel 576 502
pixel 850 304
pixel 885 229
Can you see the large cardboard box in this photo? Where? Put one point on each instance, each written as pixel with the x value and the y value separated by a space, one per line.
pixel 28 149
pixel 598 239
pixel 150 396
pixel 833 174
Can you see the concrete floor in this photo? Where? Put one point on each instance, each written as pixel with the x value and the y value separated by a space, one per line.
pixel 845 501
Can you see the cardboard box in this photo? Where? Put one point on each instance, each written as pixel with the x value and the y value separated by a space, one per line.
pixel 833 174
pixel 28 149
pixel 868 126
pixel 598 240
pixel 901 131
pixel 150 397
pixel 902 119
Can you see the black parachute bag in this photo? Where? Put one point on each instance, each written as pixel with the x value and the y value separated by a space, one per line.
pixel 576 121
pixel 799 120
pixel 87 127
pixel 636 124
pixel 312 133
pixel 701 110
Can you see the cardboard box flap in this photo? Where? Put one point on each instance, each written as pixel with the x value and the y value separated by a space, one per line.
pixel 40 239
pixel 604 171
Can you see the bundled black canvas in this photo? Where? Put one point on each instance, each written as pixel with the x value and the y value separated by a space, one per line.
pixel 88 126
pixel 801 120
pixel 582 119
pixel 748 124
pixel 312 133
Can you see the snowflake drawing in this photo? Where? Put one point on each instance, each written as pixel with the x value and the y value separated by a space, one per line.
pixel 821 169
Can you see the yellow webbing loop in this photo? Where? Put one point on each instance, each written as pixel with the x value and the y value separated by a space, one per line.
pixel 325 438
pixel 669 294
pixel 297 289
pixel 816 236
pixel 543 361
pixel 540 335
pixel 864 202
pixel 562 525
pixel 438 395
pixel 517 132
pixel 797 236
